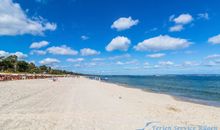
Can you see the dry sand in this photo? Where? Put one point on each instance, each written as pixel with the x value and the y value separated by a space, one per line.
pixel 83 104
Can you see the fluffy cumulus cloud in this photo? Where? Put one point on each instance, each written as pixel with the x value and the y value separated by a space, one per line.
pixel 156 55
pixel 38 52
pixel 162 43
pixel 214 39
pixel 37 45
pixel 124 23
pixel 182 19
pixel 62 50
pixel 14 21
pixel 88 52
pixel 20 55
pixel 49 61
pixel 119 43
pixel 176 28
pixel 75 60
pixel 4 53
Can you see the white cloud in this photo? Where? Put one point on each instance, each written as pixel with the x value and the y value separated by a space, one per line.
pixel 214 56
pixel 210 63
pixel 212 60
pixel 190 63
pixel 32 61
pixel 62 50
pixel 49 61
pixel 124 23
pixel 75 60
pixel 162 43
pixel 166 63
pixel 176 28
pixel 183 19
pixel 4 53
pixel 37 45
pixel 89 52
pixel 157 55
pixel 84 37
pixel 118 43
pixel 98 59
pixel 180 21
pixel 203 16
pixel 214 39
pixel 119 63
pixel 38 52
pixel 20 55
pixel 14 21
pixel 127 62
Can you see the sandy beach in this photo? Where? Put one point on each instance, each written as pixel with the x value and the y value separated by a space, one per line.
pixel 84 104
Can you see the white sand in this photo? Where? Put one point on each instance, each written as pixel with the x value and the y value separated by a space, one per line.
pixel 83 104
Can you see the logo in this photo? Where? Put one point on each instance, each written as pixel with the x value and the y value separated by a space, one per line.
pixel 156 126
pixel 148 124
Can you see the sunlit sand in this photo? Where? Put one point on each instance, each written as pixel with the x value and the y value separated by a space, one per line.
pixel 80 103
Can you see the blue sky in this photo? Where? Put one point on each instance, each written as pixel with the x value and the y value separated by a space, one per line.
pixel 115 36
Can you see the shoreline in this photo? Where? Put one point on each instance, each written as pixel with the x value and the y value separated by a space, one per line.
pixel 82 103
pixel 176 97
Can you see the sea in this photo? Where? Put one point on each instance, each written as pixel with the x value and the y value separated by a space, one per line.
pixel 203 89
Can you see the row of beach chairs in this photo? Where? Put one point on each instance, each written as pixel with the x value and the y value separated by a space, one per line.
pixel 7 77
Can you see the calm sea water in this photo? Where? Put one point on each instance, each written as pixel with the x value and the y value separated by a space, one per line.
pixel 204 89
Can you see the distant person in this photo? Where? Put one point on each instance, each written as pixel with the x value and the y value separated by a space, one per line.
pixel 54 79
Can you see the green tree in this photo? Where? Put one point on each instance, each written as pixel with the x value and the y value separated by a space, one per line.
pixel 43 69
pixel 22 66
pixel 8 64
pixel 11 64
pixel 32 68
